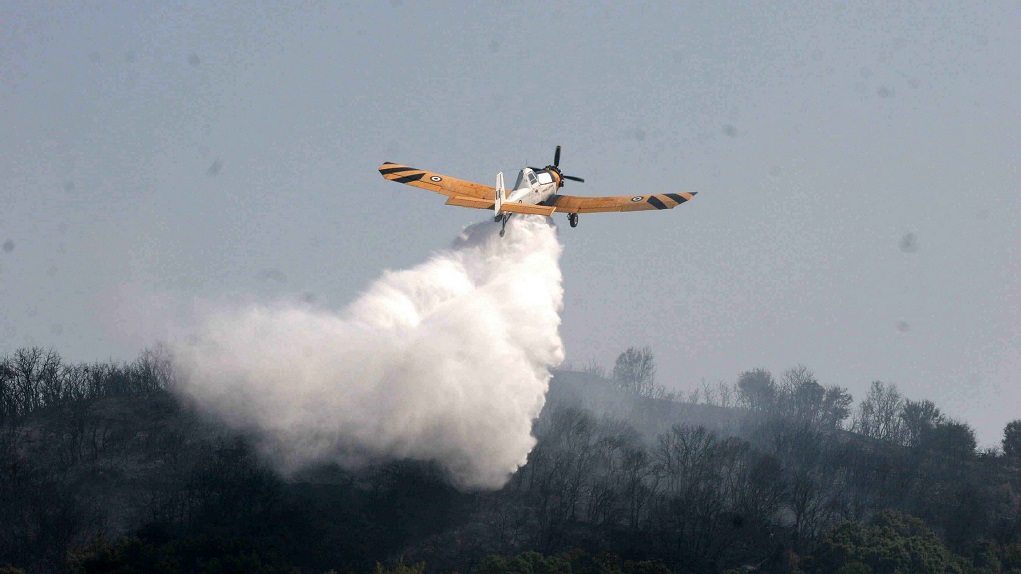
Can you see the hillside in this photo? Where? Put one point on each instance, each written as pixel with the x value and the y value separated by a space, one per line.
pixel 126 474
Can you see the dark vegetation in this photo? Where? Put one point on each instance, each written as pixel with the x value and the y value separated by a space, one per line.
pixel 102 469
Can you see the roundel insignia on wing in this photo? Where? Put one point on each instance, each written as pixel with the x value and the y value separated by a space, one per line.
pixel 436 178
pixel 637 198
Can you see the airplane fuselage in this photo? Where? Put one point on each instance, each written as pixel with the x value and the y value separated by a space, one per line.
pixel 534 187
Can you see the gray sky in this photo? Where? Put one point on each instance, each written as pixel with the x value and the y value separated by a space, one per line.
pixel 857 165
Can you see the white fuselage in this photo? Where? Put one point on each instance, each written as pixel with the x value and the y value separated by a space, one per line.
pixel 533 187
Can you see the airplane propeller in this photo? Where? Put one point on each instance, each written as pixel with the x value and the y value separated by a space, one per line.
pixel 556 167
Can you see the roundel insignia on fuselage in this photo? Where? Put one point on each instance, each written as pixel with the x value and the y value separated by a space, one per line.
pixel 637 198
pixel 436 178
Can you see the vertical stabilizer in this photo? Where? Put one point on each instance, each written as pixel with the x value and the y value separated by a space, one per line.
pixel 499 194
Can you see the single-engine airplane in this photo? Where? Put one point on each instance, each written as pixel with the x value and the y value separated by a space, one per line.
pixel 535 192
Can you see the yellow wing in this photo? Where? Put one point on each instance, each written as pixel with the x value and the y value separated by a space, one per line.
pixel 449 186
pixel 575 204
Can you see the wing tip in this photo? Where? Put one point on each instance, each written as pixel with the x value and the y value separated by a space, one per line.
pixel 391 170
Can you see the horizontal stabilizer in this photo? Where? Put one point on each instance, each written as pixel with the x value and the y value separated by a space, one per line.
pixel 461 201
pixel 475 202
pixel 529 208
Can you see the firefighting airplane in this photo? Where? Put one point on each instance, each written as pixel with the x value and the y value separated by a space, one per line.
pixel 535 192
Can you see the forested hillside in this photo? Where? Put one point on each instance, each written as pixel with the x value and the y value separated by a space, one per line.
pixel 103 468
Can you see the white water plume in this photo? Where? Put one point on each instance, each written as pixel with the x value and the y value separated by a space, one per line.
pixel 447 361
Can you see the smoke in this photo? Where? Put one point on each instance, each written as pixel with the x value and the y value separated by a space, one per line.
pixel 447 361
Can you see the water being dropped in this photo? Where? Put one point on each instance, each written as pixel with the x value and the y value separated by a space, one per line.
pixel 447 361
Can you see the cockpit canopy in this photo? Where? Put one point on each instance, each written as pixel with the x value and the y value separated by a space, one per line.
pixel 532 179
pixel 526 177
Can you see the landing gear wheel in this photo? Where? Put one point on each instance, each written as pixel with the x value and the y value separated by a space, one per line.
pixel 572 218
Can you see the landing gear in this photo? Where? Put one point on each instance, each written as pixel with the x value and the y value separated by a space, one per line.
pixel 572 218
pixel 503 228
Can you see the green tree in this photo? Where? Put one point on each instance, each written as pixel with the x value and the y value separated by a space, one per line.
pixel 211 555
pixel 401 568
pixel 893 543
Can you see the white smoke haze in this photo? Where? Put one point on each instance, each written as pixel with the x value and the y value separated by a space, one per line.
pixel 448 361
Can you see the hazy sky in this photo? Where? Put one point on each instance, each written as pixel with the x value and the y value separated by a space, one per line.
pixel 857 167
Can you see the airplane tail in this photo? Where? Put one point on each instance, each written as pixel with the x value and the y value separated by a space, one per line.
pixel 500 191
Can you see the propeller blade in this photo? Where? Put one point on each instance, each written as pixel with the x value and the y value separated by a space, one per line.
pixel 572 178
pixel 556 157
